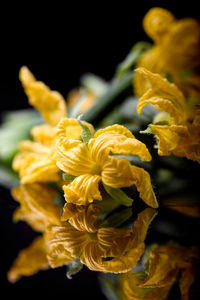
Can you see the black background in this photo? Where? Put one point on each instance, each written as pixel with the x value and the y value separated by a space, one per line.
pixel 59 43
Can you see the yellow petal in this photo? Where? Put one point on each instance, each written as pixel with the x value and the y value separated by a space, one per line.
pixel 83 190
pixel 35 168
pixel 35 163
pixel 186 32
pixel 140 227
pixel 107 143
pixel 114 242
pixel 161 271
pixel 29 261
pixel 144 186
pixel 44 134
pixel 50 103
pixel 165 96
pixel 37 206
pixel 156 22
pixel 185 282
pixel 117 173
pixel 73 157
pixel 69 128
pixel 150 60
pixel 169 137
pixel 114 129
pixel 130 289
pixel 65 239
pixel 85 218
pixel 70 210
pixel 91 257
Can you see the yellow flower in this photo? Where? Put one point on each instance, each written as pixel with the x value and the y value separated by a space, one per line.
pixel 94 162
pixel 51 104
pixel 181 135
pixel 167 57
pixel 37 206
pixel 163 266
pixel 82 238
pixel 29 261
pixel 35 162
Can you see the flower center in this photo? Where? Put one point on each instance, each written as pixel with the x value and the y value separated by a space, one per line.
pixel 92 236
pixel 96 169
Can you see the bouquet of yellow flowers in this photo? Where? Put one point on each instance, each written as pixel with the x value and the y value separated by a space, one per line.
pixel 94 172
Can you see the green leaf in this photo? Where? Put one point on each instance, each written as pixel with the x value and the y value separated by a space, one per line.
pixel 106 101
pixel 68 177
pixel 74 268
pixel 59 200
pixel 117 219
pixel 14 128
pixel 132 57
pixel 8 178
pixel 86 134
pixel 135 160
pixel 109 285
pixel 129 111
pixel 94 83
pixel 148 130
pixel 118 195
pixel 75 111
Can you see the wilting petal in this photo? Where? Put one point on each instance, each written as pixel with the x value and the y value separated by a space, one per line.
pixel 140 227
pixel 66 239
pixel 148 60
pixel 114 129
pixel 165 96
pixel 85 218
pixel 29 261
pixel 186 32
pixel 114 143
pixel 50 103
pixel 35 163
pixel 170 137
pixel 91 257
pixel 161 271
pixel 37 206
pixel 144 187
pixel 117 173
pixel 73 157
pixel 70 210
pixel 83 190
pixel 185 282
pixel 156 23
pixel 114 242
pixel 69 128
pixel 34 167
pixel 130 289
